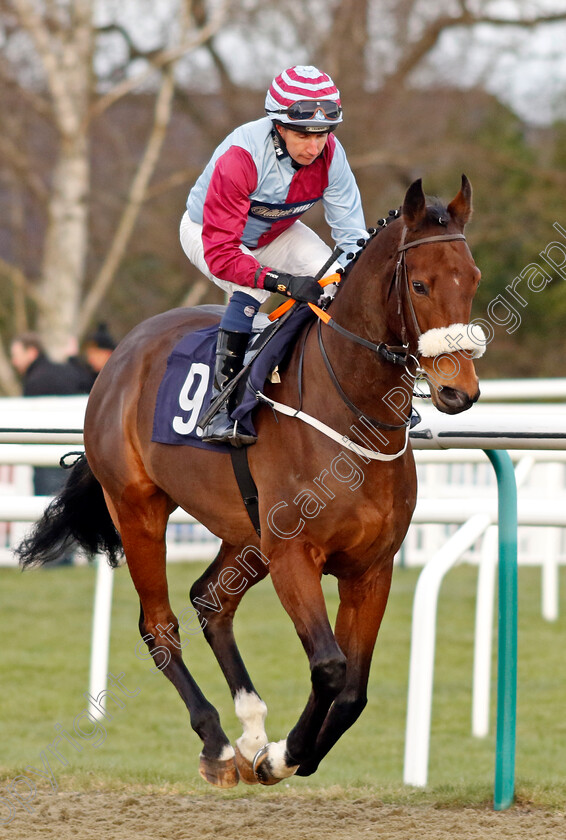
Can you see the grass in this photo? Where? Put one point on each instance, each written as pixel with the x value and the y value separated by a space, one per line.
pixel 148 744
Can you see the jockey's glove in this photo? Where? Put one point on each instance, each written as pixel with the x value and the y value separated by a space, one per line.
pixel 304 289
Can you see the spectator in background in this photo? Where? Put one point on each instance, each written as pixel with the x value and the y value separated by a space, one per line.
pixel 43 377
pixel 98 348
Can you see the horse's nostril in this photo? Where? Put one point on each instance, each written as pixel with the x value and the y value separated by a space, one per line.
pixel 454 400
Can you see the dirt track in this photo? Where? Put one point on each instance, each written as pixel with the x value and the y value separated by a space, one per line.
pixel 119 816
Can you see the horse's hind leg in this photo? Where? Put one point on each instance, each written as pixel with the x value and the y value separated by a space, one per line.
pixel 216 596
pixel 141 523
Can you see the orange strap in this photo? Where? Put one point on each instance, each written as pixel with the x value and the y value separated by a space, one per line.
pixel 326 281
pixel 324 316
pixel 277 313
pixel 332 278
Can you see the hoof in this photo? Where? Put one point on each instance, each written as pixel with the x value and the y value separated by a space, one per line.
pixel 261 767
pixel 245 768
pixel 222 773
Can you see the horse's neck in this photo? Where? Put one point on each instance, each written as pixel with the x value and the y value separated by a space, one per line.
pixel 366 307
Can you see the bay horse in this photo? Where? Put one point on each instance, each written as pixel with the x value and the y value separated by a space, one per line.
pixel 327 504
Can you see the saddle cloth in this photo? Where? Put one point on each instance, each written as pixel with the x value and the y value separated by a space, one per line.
pixel 186 388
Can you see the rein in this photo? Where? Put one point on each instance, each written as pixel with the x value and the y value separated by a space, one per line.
pixel 388 427
pixel 395 355
pixel 391 354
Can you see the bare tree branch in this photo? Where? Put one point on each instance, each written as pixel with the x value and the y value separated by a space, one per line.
pixel 160 61
pixel 431 34
pixel 196 293
pixel 524 23
pixel 23 289
pixel 176 179
pixel 20 163
pixel 8 380
pixel 56 55
pixel 124 230
pixel 25 95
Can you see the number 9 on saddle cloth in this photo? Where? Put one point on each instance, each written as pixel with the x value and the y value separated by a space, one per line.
pixel 185 391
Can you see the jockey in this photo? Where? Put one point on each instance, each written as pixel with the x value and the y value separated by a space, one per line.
pixel 241 225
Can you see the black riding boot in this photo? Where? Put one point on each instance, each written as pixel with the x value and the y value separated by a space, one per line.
pixel 230 352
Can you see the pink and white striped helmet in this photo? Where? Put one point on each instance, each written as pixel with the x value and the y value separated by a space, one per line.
pixel 304 99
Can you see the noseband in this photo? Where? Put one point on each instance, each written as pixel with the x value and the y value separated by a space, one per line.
pixel 401 277
pixel 394 355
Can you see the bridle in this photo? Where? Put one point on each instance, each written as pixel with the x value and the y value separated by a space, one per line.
pixel 392 354
pixel 397 355
pixel 402 274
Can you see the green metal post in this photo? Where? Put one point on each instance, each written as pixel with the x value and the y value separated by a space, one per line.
pixel 504 790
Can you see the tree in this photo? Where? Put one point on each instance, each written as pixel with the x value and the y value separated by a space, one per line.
pixel 105 124
pixel 54 48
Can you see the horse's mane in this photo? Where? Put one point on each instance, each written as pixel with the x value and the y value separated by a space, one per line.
pixel 436 212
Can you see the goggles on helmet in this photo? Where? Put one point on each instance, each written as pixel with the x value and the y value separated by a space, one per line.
pixel 306 109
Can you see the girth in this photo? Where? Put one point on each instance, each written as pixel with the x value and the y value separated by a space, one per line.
pixel 246 484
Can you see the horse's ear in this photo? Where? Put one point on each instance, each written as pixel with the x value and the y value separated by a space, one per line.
pixel 460 208
pixel 414 205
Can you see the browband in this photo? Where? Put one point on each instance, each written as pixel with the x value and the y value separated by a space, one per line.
pixel 446 237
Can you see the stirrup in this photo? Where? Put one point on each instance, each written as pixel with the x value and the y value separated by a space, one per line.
pixel 239 439
pixel 222 430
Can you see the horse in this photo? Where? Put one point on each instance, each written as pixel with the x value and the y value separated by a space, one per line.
pixel 331 499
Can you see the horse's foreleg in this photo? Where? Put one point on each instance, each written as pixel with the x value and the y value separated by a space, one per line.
pixel 216 596
pixel 362 605
pixel 142 528
pixel 296 578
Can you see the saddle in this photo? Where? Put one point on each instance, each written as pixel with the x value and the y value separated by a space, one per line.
pixel 185 391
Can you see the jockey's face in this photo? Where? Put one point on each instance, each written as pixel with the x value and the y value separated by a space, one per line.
pixel 302 146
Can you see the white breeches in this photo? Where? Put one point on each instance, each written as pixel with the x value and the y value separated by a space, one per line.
pixel 298 250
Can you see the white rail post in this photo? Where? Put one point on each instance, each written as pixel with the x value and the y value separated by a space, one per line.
pixel 100 642
pixel 423 638
pixel 551 547
pixel 550 575
pixel 483 638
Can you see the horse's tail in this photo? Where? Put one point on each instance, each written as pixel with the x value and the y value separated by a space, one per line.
pixel 77 515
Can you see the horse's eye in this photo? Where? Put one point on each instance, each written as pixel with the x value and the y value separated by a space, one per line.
pixel 420 288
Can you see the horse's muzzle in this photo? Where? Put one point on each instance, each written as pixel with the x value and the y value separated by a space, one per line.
pixel 453 401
